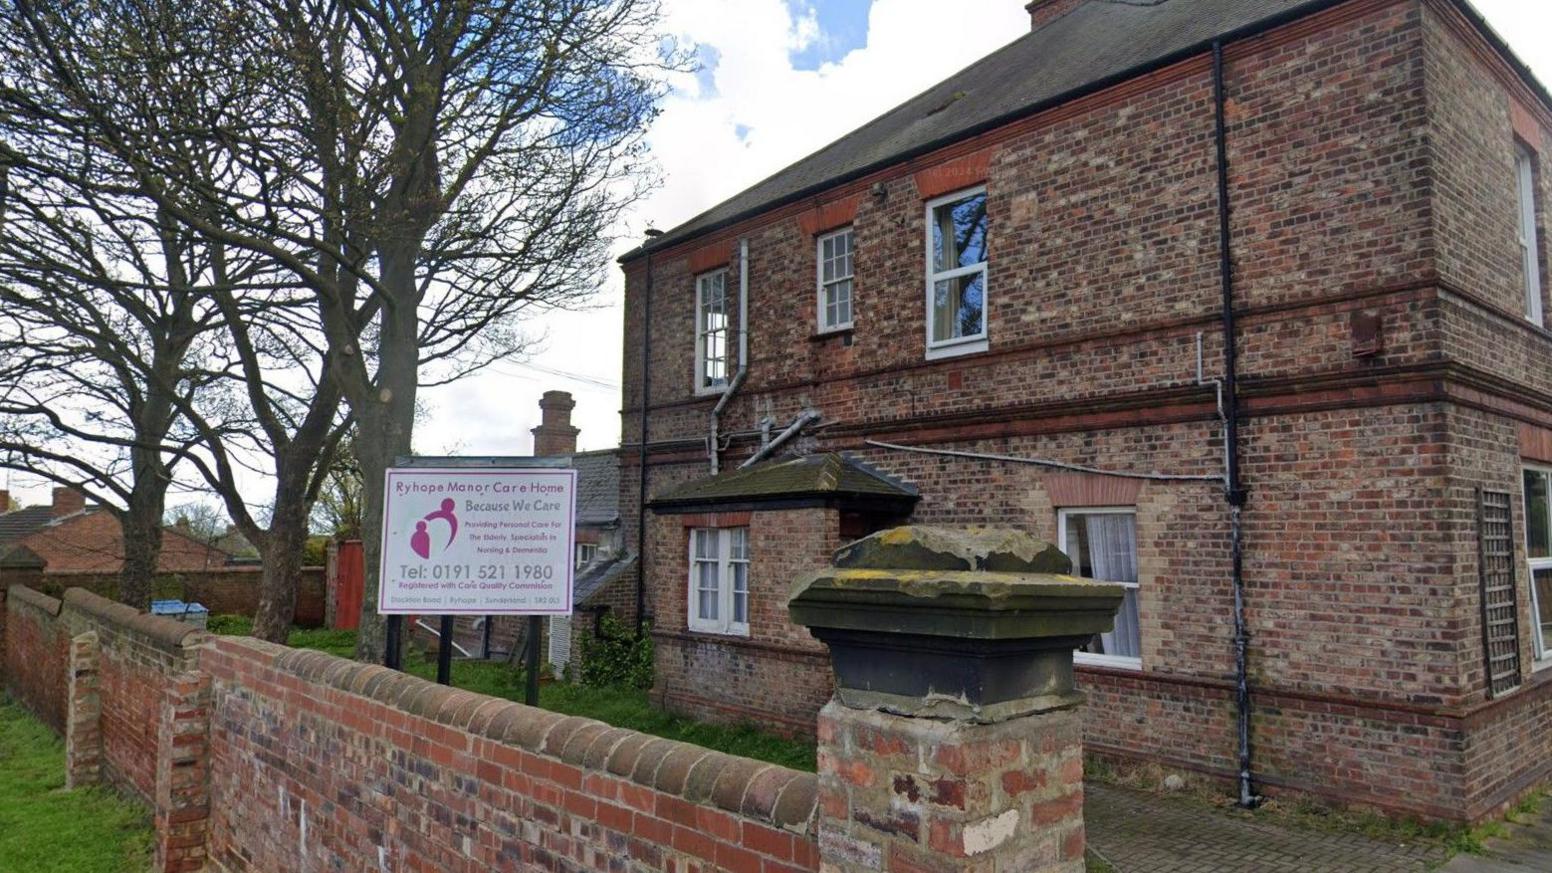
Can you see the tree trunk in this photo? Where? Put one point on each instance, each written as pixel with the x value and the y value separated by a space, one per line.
pixel 385 428
pixel 141 525
pixel 282 574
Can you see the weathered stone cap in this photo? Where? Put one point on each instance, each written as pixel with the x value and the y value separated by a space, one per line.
pixel 943 582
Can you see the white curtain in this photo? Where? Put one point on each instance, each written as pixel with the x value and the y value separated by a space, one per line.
pixel 1113 555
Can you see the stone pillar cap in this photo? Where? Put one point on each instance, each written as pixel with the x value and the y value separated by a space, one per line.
pixel 977 583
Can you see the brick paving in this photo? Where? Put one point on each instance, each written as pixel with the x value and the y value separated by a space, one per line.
pixel 1145 833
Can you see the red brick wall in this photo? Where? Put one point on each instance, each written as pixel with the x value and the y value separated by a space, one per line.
pixel 228 591
pixel 36 653
pixel 493 784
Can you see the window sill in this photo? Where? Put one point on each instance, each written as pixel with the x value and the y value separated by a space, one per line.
pixel 712 391
pixel 844 333
pixel 964 347
pixel 1118 662
pixel 737 634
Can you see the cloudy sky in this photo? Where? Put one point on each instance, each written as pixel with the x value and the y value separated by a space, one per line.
pixel 777 80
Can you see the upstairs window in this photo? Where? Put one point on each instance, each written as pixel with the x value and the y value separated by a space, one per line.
pixel 711 332
pixel 956 273
pixel 1102 544
pixel 719 580
pixel 1530 260
pixel 586 552
pixel 835 278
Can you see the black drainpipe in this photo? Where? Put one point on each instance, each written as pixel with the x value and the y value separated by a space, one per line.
pixel 1234 490
pixel 641 454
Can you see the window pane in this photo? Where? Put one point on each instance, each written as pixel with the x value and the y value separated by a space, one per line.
pixel 706 591
pixel 1103 545
pixel 957 307
pixel 959 233
pixel 706 544
pixel 1542 580
pixel 843 302
pixel 741 593
pixel 739 549
pixel 1538 522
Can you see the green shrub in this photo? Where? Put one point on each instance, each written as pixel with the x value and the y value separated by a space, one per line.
pixel 616 658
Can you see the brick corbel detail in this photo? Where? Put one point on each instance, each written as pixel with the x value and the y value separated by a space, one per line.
pixel 1070 490
pixel 952 175
pixel 836 213
pixel 1525 125
pixel 717 519
pixel 182 803
pixel 83 713
pixel 1535 443
pixel 710 257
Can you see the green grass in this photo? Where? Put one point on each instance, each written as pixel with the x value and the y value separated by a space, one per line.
pixel 46 829
pixel 621 707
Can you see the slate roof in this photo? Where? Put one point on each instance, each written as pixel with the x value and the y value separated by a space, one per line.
pixel 1094 45
pixel 599 575
pixel 807 476
pixel 21 523
pixel 598 487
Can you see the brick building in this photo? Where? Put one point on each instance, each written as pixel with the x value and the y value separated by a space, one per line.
pixel 996 296
pixel 69 536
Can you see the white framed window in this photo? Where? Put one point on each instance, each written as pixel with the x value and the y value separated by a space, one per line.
pixel 835 280
pixel 1102 544
pixel 956 274
pixel 1538 551
pixel 586 552
pixel 713 348
pixel 1530 260
pixel 719 580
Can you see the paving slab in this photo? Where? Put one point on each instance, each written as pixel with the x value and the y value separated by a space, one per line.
pixel 1525 848
pixel 1138 832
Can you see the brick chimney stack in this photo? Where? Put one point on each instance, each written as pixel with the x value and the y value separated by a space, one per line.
pixel 68 501
pixel 555 435
pixel 1043 12
pixel 5 501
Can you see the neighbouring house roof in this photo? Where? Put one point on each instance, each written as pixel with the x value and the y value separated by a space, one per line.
pixel 1096 44
pixel 599 575
pixel 804 480
pixel 19 524
pixel 598 487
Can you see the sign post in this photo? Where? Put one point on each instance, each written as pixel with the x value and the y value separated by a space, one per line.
pixel 485 536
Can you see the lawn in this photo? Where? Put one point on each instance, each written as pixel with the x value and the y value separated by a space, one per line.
pixel 621 707
pixel 46 829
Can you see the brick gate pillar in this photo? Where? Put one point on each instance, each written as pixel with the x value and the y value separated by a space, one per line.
pixel 182 804
pixel 954 740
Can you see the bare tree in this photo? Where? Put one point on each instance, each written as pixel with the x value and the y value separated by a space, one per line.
pixel 427 172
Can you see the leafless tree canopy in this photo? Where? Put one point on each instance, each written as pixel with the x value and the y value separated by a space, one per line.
pixel 395 182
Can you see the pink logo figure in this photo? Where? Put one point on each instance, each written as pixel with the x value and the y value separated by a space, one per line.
pixel 420 540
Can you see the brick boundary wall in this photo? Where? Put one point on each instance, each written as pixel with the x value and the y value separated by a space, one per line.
pixel 499 784
pixel 228 590
pixel 36 654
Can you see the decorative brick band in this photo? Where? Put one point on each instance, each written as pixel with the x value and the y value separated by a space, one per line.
pixel 953 175
pixel 836 213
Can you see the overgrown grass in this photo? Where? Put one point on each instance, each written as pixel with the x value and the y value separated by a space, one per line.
pixel 46 829
pixel 621 707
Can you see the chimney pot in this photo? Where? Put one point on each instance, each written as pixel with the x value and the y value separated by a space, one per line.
pixel 555 435
pixel 68 501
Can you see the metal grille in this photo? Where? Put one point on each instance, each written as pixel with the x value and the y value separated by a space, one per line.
pixel 1500 610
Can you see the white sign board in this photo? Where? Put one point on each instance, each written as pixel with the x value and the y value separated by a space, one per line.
pixel 478 541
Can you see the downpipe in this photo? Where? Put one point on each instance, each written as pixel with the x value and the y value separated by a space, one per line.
pixel 1234 490
pixel 714 438
pixel 792 430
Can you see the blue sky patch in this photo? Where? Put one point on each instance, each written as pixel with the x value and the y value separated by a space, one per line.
pixel 843 27
pixel 707 57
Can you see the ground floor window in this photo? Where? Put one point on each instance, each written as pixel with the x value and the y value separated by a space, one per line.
pixel 1538 549
pixel 1102 544
pixel 719 580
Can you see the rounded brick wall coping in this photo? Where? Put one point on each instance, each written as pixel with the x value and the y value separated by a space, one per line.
pixel 163 631
pixel 33 598
pixel 766 793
